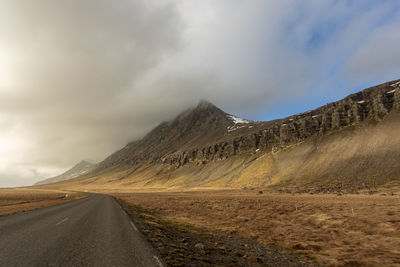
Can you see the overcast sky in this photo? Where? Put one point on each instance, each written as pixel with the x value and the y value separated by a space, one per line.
pixel 81 78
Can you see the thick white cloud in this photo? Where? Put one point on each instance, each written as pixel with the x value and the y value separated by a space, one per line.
pixel 79 79
pixel 65 70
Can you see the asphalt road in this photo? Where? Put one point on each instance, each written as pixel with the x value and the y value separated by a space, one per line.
pixel 93 231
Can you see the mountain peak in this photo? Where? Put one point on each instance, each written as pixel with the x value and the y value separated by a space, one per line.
pixel 199 125
pixel 204 109
pixel 83 163
pixel 79 169
pixel 88 162
pixel 204 104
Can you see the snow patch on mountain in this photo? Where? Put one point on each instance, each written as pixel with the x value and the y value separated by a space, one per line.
pixel 237 120
pixel 238 123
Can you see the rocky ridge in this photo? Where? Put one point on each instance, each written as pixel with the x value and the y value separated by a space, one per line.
pixel 205 134
pixel 371 104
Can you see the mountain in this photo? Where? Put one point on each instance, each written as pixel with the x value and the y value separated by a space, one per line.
pixel 199 126
pixel 79 169
pixel 351 144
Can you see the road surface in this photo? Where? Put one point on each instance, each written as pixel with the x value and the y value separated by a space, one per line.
pixel 93 231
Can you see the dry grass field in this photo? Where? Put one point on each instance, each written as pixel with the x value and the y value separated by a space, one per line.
pixel 349 230
pixel 23 199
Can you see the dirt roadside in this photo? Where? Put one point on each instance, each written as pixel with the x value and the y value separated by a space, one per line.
pixel 182 244
pixel 16 200
pixel 345 230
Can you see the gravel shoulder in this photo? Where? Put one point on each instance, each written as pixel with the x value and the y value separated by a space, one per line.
pixel 182 244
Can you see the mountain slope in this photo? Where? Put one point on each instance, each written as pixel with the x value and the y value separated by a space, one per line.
pixel 199 126
pixel 79 169
pixel 349 144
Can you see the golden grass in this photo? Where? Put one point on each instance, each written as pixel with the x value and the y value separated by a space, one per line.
pixel 23 199
pixel 337 230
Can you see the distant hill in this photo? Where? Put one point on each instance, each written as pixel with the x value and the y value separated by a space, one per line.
pixel 79 169
pixel 352 144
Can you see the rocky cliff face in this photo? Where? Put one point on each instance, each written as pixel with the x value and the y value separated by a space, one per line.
pixel 371 104
pixel 206 133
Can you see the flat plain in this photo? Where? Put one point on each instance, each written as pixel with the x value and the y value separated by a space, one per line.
pixel 15 200
pixel 345 230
